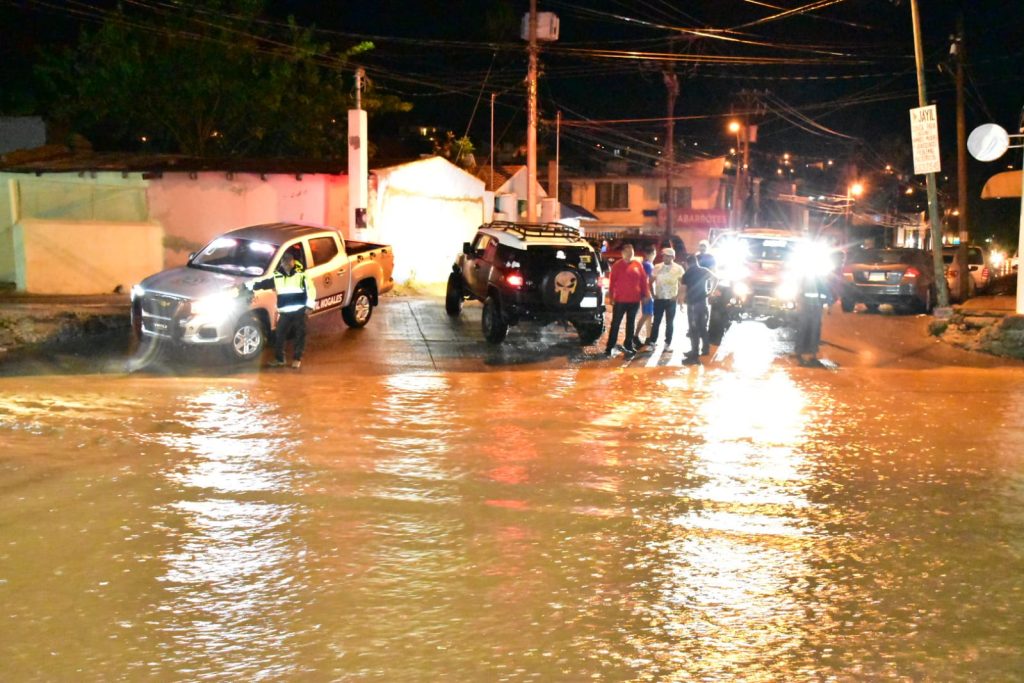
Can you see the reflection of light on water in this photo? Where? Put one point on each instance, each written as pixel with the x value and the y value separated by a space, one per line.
pixel 752 346
pixel 724 569
pixel 412 438
pixel 231 570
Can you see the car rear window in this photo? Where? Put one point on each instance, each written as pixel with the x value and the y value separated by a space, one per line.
pixel 883 257
pixel 974 257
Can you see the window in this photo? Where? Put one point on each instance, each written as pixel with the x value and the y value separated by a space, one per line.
pixel 682 197
pixel 565 192
pixel 611 196
pixel 323 249
pixel 298 252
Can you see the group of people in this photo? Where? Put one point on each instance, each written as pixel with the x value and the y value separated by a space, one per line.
pixel 656 291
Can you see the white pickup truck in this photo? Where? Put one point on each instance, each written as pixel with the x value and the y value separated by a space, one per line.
pixel 205 302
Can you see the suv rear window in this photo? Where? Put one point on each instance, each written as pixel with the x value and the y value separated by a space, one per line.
pixel 545 257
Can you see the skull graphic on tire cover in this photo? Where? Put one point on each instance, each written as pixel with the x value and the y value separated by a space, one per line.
pixel 565 285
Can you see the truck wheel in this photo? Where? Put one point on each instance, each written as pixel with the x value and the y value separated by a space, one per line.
pixel 247 339
pixel 847 305
pixel 495 327
pixel 589 332
pixel 453 295
pixel 359 310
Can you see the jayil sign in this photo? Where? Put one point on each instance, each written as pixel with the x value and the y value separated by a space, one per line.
pixel 924 133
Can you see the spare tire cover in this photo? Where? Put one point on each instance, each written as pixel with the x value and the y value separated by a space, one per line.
pixel 562 288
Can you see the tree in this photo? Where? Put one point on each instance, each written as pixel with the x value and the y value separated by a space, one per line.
pixel 459 151
pixel 206 79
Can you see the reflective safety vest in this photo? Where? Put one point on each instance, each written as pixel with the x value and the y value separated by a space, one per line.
pixel 294 292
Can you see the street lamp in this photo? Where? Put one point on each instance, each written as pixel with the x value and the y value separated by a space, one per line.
pixel 853 191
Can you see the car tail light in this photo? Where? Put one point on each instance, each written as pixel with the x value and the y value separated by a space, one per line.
pixel 911 272
pixel 514 280
pixel 603 282
pixel 984 273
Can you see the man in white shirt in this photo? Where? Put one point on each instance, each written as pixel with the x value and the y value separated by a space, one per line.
pixel 665 280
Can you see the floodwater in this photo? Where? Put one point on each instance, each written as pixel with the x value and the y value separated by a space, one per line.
pixel 614 524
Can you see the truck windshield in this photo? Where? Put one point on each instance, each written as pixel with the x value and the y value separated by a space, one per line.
pixel 767 249
pixel 232 255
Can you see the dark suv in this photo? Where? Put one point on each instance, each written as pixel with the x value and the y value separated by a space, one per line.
pixel 523 271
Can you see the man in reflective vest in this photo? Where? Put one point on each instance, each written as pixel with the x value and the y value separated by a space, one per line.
pixel 296 296
pixel 813 296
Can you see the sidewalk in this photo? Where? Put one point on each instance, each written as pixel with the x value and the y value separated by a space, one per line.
pixel 28 320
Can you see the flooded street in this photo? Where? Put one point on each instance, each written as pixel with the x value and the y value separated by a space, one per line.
pixel 754 521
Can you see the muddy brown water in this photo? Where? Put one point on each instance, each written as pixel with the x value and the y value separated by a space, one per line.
pixel 571 524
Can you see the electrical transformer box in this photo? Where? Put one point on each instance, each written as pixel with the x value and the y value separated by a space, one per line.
pixel 547 26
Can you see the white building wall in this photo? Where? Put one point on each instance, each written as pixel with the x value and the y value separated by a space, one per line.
pixel 425 209
pixel 195 208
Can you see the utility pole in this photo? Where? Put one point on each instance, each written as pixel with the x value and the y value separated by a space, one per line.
pixel 558 154
pixel 672 87
pixel 933 198
pixel 531 125
pixel 493 95
pixel 961 159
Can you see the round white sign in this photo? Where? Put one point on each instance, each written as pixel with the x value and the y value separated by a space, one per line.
pixel 988 142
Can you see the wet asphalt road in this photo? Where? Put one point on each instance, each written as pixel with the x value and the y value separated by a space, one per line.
pixel 414 334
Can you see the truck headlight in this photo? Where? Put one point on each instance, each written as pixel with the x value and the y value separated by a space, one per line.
pixel 216 307
pixel 787 291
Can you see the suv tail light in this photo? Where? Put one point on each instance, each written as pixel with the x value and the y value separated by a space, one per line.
pixel 911 272
pixel 514 279
pixel 603 282
pixel 984 273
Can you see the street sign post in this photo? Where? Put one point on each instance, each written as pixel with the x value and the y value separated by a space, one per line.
pixel 924 134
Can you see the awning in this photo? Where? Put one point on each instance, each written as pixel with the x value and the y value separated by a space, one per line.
pixel 1002 186
pixel 576 211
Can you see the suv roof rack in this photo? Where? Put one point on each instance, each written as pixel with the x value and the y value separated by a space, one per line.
pixel 525 230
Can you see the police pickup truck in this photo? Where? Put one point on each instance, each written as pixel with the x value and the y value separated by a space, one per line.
pixel 205 303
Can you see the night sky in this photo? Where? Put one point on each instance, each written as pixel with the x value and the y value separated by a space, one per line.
pixel 832 79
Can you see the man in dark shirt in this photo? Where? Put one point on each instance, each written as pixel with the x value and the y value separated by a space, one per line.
pixel 699 283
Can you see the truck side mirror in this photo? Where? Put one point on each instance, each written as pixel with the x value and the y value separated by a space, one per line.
pixel 467 248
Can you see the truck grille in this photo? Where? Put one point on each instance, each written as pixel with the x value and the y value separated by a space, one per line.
pixel 159 312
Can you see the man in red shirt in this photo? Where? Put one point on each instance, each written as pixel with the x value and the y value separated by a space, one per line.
pixel 628 286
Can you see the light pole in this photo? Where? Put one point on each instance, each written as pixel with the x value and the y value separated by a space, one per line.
pixel 853 191
pixel 740 195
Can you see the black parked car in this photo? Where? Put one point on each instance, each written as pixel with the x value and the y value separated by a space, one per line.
pixel 901 277
pixel 541 272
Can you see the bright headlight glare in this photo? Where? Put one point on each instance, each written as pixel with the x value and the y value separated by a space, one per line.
pixel 731 253
pixel 216 306
pixel 741 289
pixel 812 258
pixel 138 292
pixel 786 291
